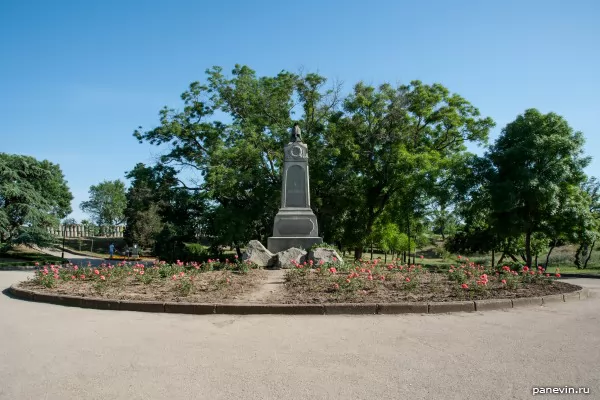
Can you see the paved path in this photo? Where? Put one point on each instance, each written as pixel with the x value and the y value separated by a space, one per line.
pixel 54 352
pixel 77 259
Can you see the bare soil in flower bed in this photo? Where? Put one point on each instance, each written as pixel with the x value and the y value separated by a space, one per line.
pixel 315 288
pixel 206 287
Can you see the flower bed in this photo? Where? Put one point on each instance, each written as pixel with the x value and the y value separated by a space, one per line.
pixel 374 281
pixel 193 282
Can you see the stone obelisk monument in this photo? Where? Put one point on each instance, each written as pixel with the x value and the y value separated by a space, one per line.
pixel 295 223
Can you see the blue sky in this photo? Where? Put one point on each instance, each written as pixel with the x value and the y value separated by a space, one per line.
pixel 77 77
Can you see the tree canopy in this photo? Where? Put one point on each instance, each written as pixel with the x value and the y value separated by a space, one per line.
pixel 377 149
pixel 34 196
pixel 107 203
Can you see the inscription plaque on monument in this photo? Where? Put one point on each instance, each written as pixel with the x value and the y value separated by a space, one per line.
pixel 295 187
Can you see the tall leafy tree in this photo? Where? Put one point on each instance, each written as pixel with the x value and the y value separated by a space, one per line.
pixel 365 150
pixel 147 196
pixel 33 197
pixel 107 203
pixel 395 141
pixel 536 158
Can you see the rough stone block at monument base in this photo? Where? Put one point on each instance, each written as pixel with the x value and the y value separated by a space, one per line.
pixel 277 244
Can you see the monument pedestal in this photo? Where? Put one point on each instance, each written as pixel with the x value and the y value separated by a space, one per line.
pixel 295 224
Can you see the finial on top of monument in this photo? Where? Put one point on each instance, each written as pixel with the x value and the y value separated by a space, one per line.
pixel 296 133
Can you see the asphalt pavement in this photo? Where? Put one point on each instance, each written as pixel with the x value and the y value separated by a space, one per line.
pixel 55 352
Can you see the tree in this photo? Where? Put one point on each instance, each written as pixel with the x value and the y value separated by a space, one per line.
pixel 375 145
pixel 34 196
pixel 107 203
pixel 536 158
pixel 588 228
pixel 147 197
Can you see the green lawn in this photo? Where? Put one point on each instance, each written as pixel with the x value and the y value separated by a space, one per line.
pixel 24 257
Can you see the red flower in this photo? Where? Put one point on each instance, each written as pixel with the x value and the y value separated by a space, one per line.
pixel 332 270
pixel 407 279
pixel 97 272
pixel 102 277
pixel 370 277
pixel 548 275
pixel 557 275
pixel 503 281
pixel 382 278
pixel 464 286
pixel 526 268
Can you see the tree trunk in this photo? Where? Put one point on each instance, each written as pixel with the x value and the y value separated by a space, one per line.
pixel 358 251
pixel 589 254
pixel 512 257
pixel 536 260
pixel 577 256
pixel 528 248
pixel 548 255
pixel 493 258
pixel 371 250
pixel 501 258
pixel 238 251
pixel 385 257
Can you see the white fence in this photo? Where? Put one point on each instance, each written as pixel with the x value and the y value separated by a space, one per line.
pixel 74 231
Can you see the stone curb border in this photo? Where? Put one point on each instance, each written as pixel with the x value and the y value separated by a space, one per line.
pixel 296 309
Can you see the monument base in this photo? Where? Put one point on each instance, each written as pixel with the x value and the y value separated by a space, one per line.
pixel 277 244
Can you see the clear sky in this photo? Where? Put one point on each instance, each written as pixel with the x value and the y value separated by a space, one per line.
pixel 77 77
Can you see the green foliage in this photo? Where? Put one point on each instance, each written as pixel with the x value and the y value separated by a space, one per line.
pixel 525 189
pixel 107 203
pixel 378 150
pixel 33 197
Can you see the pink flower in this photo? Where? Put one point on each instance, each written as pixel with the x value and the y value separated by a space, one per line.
pixel 407 279
pixel 370 277
pixel 142 272
pixel 464 286
pixel 503 281
pixel 548 275
pixel 347 280
pixel 236 256
pixel 181 273
pixel 421 257
pixel 102 277
pixel 334 259
pixel 382 278
pixel 321 262
pixel 76 268
pixel 336 286
pixel 526 268
pixel 557 275
pixel 97 272
pixel 72 277
pixel 36 264
pixel 55 276
pixel 174 277
pixel 332 270
pixel 82 276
